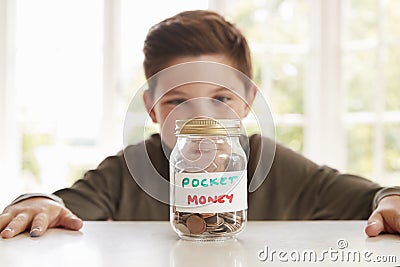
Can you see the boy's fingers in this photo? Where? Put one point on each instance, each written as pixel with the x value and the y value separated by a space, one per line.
pixel 394 223
pixel 70 221
pixel 16 226
pixel 5 219
pixel 375 225
pixel 39 225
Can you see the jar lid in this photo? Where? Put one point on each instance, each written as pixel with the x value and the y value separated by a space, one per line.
pixel 208 126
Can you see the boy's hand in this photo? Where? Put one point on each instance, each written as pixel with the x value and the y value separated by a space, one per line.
pixel 38 214
pixel 385 218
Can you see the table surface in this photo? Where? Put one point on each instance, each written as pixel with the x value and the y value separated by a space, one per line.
pixel 263 243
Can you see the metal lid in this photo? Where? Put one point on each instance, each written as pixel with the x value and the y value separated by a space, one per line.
pixel 208 126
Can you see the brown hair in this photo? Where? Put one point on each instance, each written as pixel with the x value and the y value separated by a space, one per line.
pixel 194 33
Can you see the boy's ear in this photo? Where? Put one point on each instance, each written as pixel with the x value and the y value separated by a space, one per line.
pixel 148 102
pixel 250 96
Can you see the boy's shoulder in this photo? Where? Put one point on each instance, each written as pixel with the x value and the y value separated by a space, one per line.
pixel 152 143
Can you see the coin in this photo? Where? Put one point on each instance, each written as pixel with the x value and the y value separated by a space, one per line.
pixel 214 221
pixel 208 223
pixel 231 217
pixel 184 215
pixel 182 228
pixel 207 215
pixel 195 224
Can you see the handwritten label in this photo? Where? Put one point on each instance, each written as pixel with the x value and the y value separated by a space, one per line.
pixel 210 192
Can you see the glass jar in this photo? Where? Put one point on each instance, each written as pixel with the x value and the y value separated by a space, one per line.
pixel 208 174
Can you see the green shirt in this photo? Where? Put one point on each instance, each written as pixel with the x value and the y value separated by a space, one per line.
pixel 295 188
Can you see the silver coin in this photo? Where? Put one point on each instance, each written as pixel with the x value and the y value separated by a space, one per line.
pixel 182 228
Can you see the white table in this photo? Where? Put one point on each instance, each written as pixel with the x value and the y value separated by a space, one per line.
pixel 155 244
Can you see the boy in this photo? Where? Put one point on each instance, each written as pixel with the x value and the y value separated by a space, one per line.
pixel 296 188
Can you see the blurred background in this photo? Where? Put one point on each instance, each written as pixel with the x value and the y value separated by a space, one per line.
pixel 69 68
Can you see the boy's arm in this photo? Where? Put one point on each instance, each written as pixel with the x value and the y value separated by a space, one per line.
pixel 297 188
pixel 95 196
pixel 91 198
pixel 385 192
pixel 349 195
pixel 344 196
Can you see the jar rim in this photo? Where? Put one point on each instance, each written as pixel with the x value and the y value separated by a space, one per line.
pixel 208 126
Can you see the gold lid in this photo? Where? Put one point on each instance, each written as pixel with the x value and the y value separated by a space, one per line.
pixel 208 126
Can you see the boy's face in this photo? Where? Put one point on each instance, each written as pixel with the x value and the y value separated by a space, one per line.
pixel 197 99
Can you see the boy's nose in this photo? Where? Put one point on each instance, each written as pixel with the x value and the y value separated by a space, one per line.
pixel 202 108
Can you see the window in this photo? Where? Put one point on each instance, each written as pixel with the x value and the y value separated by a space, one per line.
pixel 371 50
pixel 330 72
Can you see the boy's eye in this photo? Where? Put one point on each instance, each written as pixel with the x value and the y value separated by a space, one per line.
pixel 222 98
pixel 176 101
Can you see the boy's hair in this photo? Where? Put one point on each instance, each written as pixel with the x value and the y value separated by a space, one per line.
pixel 195 33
